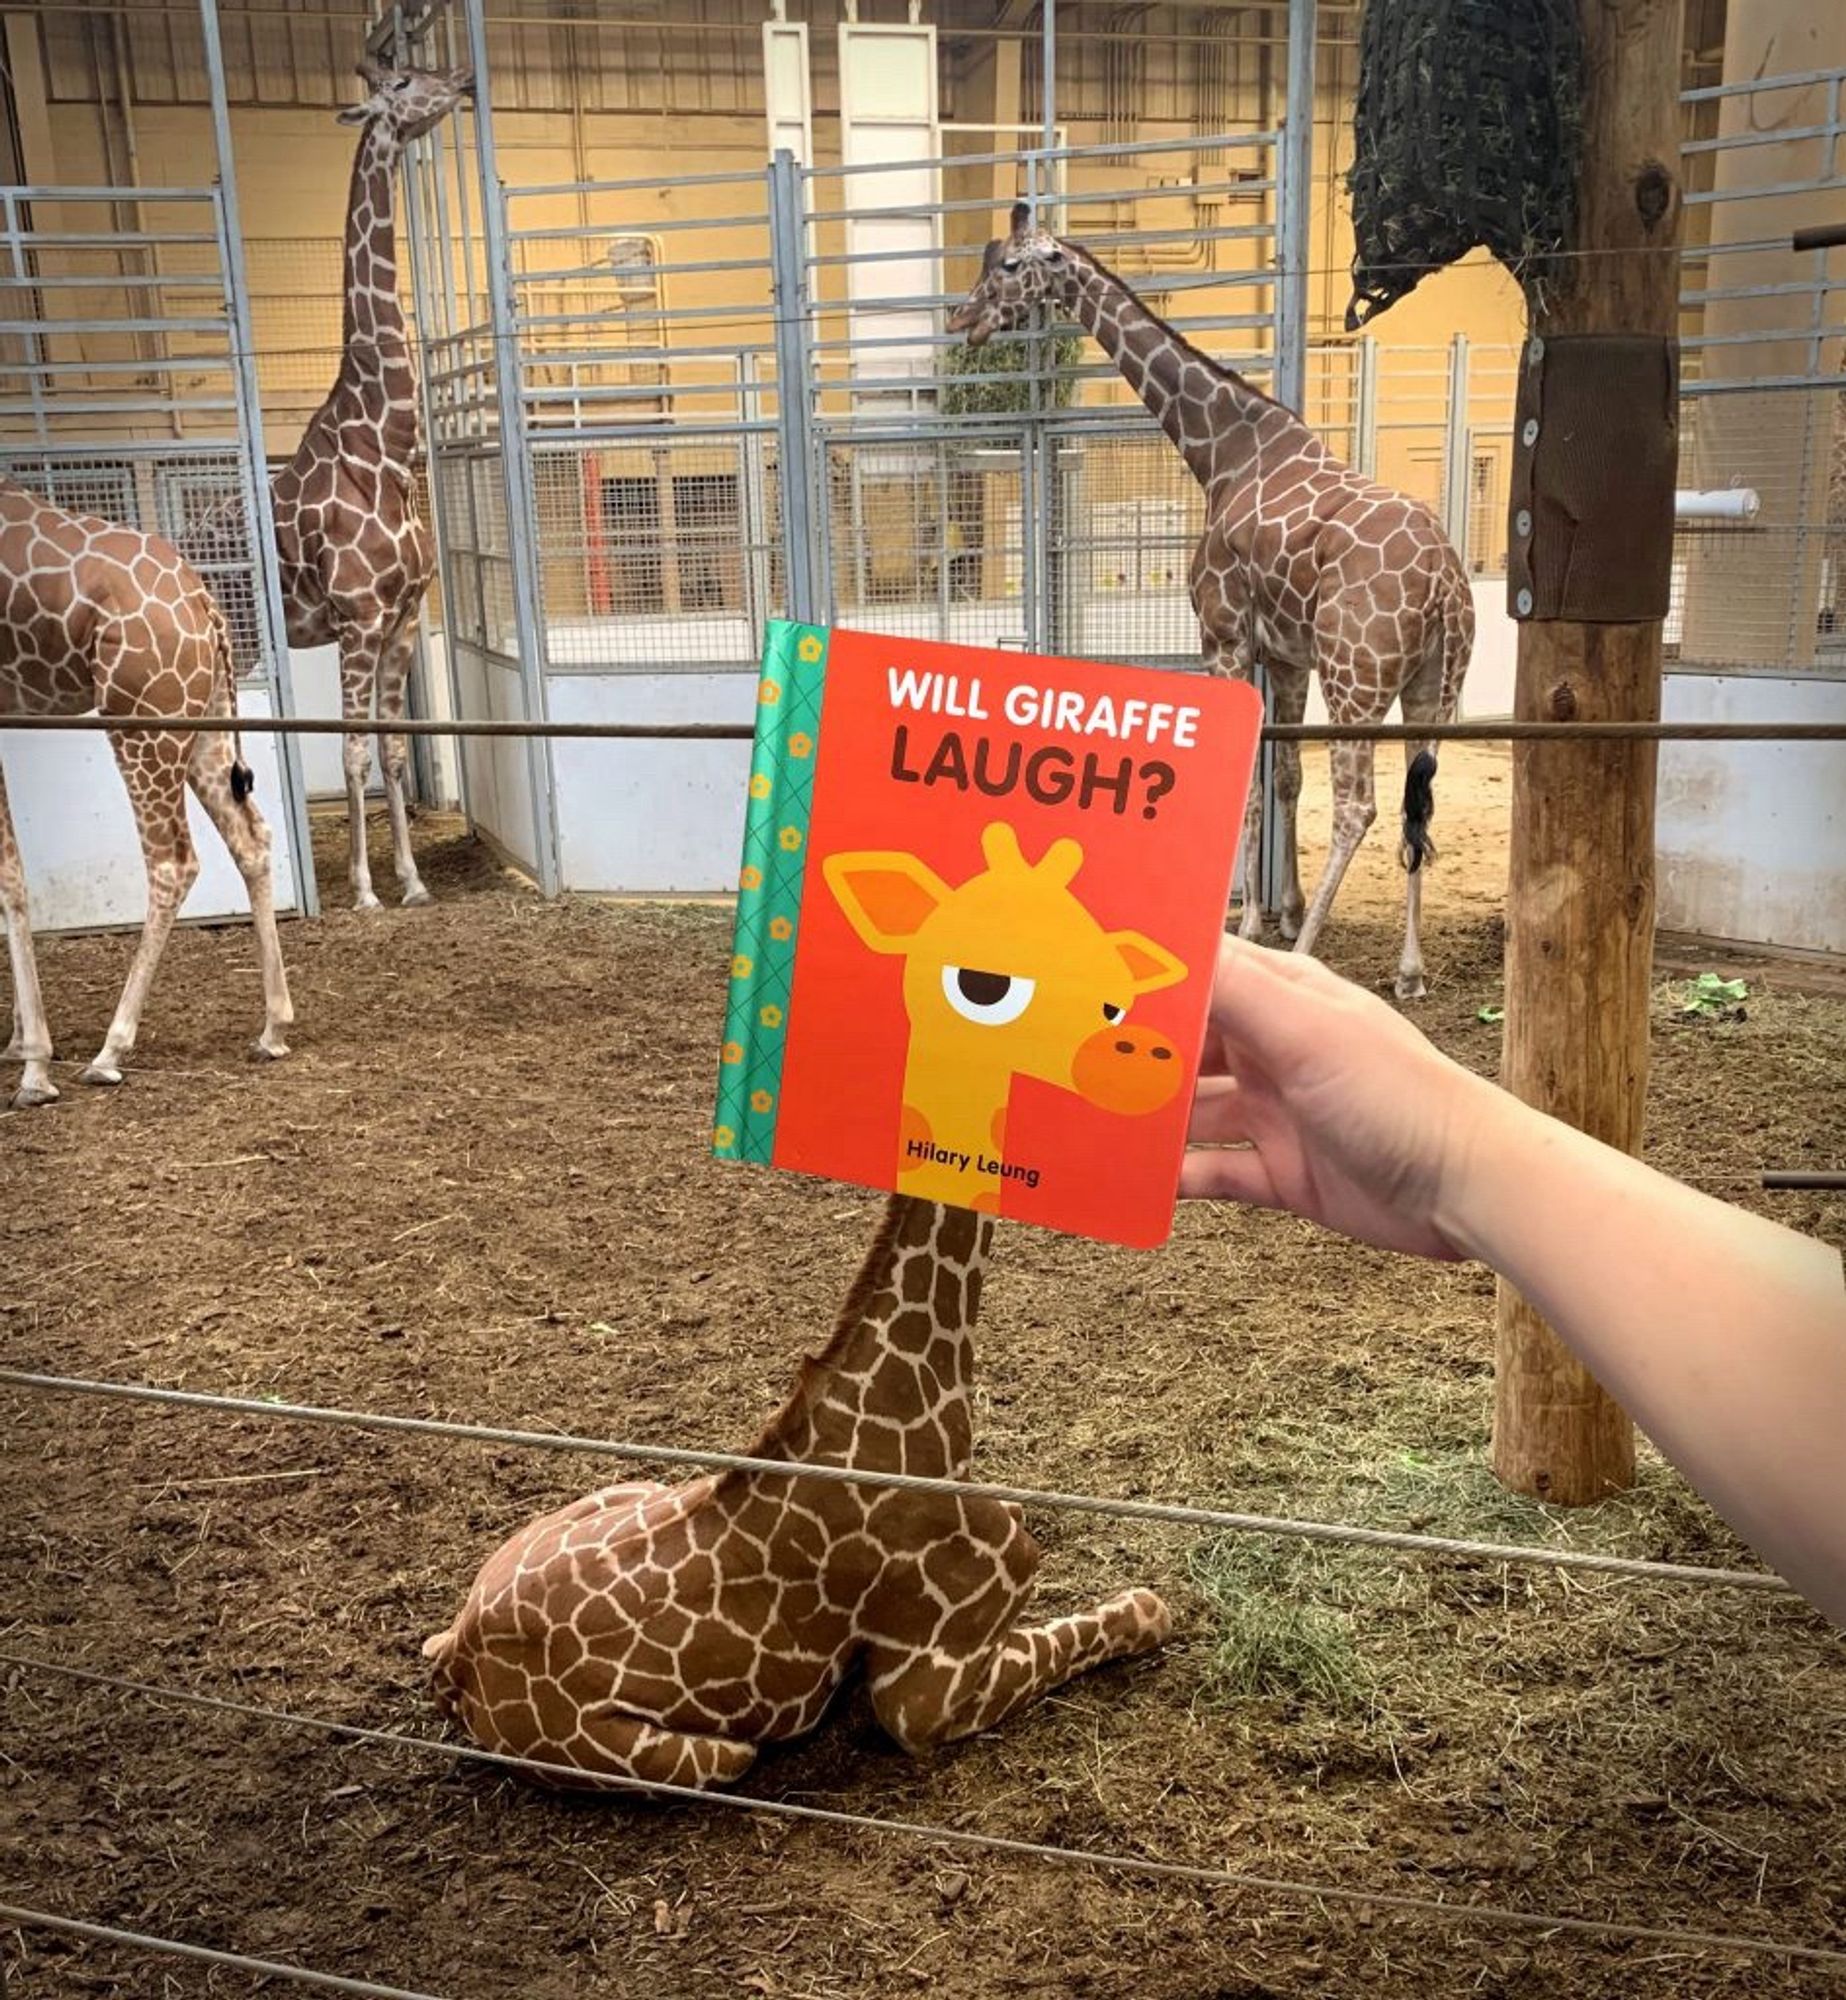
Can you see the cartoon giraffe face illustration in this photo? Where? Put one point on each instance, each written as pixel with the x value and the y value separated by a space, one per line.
pixel 1007 975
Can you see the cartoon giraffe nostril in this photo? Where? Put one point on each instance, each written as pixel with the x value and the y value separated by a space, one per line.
pixel 1124 1048
pixel 1161 1055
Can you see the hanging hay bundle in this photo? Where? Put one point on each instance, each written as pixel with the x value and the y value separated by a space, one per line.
pixel 1468 131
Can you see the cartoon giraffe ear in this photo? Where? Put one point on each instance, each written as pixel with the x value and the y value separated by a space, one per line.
pixel 1149 966
pixel 887 898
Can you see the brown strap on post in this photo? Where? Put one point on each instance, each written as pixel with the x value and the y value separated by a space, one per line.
pixel 1595 456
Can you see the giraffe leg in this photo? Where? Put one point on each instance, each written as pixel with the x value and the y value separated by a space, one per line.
pixel 30 1042
pixel 1291 704
pixel 925 1698
pixel 358 689
pixel 154 770
pixel 393 694
pixel 1354 809
pixel 611 1742
pixel 246 834
pixel 1235 659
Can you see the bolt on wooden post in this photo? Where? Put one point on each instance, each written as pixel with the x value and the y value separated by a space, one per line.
pixel 1580 902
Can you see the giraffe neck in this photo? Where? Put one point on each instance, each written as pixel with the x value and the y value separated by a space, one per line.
pixel 891 1389
pixel 375 364
pixel 1220 422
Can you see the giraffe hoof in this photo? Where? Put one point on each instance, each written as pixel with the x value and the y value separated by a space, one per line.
pixel 367 901
pixel 1250 926
pixel 101 1072
pixel 1414 988
pixel 417 898
pixel 29 1096
pixel 265 1051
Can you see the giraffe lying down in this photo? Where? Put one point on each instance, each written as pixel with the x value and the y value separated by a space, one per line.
pixel 665 1632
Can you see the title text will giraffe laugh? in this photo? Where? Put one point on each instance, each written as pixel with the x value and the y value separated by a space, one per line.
pixel 1052 774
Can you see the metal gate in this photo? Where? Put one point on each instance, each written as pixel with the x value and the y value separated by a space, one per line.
pixel 128 390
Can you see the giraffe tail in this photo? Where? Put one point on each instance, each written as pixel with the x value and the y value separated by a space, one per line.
pixel 243 779
pixel 1419 805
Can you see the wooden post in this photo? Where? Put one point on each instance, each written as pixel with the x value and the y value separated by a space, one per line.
pixel 1580 903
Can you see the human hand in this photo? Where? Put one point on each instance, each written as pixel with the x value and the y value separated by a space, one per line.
pixel 1339 1109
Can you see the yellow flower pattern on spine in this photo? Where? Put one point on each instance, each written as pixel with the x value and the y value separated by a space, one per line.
pixel 770 881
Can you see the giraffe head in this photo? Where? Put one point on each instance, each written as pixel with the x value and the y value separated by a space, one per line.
pixel 406 103
pixel 1028 268
pixel 1010 972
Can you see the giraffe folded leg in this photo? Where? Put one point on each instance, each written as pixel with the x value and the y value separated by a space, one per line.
pixel 30 1042
pixel 924 1699
pixel 611 1742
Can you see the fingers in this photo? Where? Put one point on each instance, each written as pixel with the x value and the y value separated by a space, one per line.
pixel 1219 1114
pixel 1225 1175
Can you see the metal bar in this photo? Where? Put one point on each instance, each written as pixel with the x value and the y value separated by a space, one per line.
pixel 1219 142
pixel 9 209
pixel 797 485
pixel 1731 141
pixel 1793 81
pixel 65 191
pixel 741 732
pixel 259 511
pixel 112 239
pixel 1769 191
pixel 752 177
pixel 515 453
pixel 1455 455
pixel 1111 240
pixel 125 282
pixel 1061 199
pixel 144 407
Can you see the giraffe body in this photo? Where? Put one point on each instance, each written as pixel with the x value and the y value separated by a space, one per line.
pixel 1006 975
pixel 1303 563
pixel 96 616
pixel 667 1632
pixel 356 557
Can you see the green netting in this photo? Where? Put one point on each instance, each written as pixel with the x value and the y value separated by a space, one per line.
pixel 1468 131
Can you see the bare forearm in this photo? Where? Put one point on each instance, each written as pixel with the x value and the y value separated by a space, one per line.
pixel 1723 1335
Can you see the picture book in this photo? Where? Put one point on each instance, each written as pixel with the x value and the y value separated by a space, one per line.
pixel 977 920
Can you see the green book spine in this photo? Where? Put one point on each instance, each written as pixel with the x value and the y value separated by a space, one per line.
pixel 769 885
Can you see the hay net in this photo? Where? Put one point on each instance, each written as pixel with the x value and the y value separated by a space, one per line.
pixel 1468 131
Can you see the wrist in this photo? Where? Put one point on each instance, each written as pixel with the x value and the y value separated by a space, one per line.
pixel 1489 1133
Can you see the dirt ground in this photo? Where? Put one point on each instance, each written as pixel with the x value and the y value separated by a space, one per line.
pixel 480 1190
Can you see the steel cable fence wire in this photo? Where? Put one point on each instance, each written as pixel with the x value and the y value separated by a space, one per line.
pixel 1170 1513
pixel 1198 1874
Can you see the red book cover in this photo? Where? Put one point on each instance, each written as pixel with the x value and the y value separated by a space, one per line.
pixel 978 916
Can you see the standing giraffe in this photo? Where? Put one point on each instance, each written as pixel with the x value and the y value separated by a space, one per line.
pixel 356 557
pixel 1302 561
pixel 665 1632
pixel 98 616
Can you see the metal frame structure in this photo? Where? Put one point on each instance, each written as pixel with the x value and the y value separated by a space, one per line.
pixel 627 482
pixel 624 489
pixel 125 431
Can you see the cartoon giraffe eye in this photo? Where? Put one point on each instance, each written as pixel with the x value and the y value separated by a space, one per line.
pixel 991 998
pixel 1112 1013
